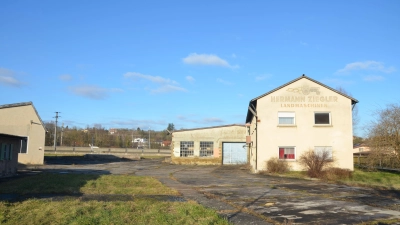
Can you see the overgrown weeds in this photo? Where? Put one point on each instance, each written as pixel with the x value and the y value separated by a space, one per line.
pixel 274 165
pixel 335 174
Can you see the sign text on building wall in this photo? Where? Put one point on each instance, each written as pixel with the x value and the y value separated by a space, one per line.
pixel 303 100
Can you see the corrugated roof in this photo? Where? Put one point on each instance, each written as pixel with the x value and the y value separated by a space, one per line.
pixel 250 115
pixel 202 128
pixel 23 104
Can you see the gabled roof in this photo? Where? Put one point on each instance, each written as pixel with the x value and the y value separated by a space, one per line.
pixel 24 104
pixel 254 100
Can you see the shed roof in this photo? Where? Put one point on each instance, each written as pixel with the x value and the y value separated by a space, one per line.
pixel 254 100
pixel 23 104
pixel 202 128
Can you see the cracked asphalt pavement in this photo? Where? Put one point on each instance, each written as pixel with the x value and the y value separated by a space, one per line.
pixel 246 198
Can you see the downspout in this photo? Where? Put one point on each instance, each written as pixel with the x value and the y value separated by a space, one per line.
pixel 256 141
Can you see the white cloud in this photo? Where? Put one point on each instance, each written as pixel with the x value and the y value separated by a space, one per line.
pixel 207 59
pixel 155 79
pixel 367 65
pixel 7 78
pixel 224 81
pixel 373 78
pixel 233 55
pixel 90 91
pixel 210 120
pixel 164 85
pixel 190 79
pixel 263 77
pixel 303 43
pixel 168 88
pixel 65 77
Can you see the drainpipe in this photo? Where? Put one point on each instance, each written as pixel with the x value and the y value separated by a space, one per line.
pixel 256 141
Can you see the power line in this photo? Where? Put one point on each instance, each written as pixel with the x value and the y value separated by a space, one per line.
pixel 55 131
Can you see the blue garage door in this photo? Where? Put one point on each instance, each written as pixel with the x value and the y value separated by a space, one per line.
pixel 234 153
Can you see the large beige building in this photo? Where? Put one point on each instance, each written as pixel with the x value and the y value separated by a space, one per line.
pixel 298 116
pixel 210 145
pixel 22 120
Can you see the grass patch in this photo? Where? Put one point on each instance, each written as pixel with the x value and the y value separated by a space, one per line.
pixel 142 210
pixel 380 179
pixel 96 212
pixel 85 184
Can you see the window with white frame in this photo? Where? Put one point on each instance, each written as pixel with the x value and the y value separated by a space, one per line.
pixel 187 148
pixel 287 153
pixel 286 118
pixel 324 151
pixel 322 118
pixel 23 146
pixel 206 148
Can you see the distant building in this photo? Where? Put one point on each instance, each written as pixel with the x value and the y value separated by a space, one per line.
pixel 22 122
pixel 113 131
pixel 166 143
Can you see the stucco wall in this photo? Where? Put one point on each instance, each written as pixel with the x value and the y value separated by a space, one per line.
pixel 17 121
pixel 304 135
pixel 218 135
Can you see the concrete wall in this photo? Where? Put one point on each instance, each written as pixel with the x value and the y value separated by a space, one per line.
pixel 17 121
pixel 217 135
pixel 304 135
pixel 9 167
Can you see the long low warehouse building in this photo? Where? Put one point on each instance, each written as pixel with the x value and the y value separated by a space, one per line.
pixel 210 145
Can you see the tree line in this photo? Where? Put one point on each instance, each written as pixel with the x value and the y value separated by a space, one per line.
pixel 102 137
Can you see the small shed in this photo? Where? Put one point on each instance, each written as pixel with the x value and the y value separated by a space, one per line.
pixel 22 120
pixel 210 145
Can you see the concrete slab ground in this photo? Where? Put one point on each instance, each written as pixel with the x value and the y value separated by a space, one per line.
pixel 246 198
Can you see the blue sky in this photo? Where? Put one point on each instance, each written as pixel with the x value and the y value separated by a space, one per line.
pixel 129 64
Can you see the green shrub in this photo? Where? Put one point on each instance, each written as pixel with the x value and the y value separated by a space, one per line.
pixel 274 165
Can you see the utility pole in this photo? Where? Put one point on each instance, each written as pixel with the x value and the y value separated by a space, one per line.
pixel 62 130
pixel 149 137
pixel 55 131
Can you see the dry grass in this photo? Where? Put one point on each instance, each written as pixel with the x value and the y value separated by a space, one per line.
pixel 140 210
pixel 274 165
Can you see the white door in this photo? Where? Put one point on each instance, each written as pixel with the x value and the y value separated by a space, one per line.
pixel 234 153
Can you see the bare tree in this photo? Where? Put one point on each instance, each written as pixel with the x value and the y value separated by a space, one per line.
pixel 384 138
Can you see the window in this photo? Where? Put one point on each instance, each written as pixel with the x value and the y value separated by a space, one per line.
pixel 23 148
pixel 324 151
pixel 206 148
pixel 286 118
pixel 6 151
pixel 322 118
pixel 286 153
pixel 187 148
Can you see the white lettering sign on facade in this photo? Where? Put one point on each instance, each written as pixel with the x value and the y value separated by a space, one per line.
pixel 314 97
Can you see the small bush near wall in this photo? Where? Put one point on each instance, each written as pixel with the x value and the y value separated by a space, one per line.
pixel 274 165
pixel 314 162
pixel 335 173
